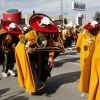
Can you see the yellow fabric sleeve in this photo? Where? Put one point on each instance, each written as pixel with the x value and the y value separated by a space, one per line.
pixel 1 31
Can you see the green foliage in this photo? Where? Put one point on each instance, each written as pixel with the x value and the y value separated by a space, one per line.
pixel 82 16
pixel 97 16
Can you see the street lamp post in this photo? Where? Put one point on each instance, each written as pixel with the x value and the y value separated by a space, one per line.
pixel 61 8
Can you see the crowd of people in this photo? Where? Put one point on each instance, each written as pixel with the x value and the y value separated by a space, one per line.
pixel 34 48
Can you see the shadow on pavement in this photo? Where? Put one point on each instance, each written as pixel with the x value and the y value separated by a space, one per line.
pixel 14 97
pixel 55 82
pixel 2 91
pixel 17 98
pixel 61 62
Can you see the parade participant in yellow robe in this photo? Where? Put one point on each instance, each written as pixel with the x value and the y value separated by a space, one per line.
pixel 79 39
pixel 58 42
pixel 84 82
pixel 75 33
pixel 1 54
pixel 64 37
pixel 24 69
pixel 63 34
pixel 67 37
pixel 33 64
pixel 27 77
pixel 58 39
pixel 9 41
pixel 85 37
pixel 94 86
pixel 85 73
pixel 86 44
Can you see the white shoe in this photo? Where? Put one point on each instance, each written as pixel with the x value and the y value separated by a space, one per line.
pixel 11 72
pixel 69 48
pixel 30 93
pixel 4 74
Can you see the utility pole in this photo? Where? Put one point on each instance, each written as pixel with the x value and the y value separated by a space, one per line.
pixel 62 11
pixel 66 9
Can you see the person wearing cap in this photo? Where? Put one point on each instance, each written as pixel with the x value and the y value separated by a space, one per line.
pixel 94 86
pixel 8 43
pixel 64 37
pixel 58 42
pixel 69 37
pixel 57 39
pixel 80 37
pixel 88 45
pixel 1 53
pixel 33 65
pixel 87 42
pixel 75 33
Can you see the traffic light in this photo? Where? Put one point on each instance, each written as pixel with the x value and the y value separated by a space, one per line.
pixel 65 21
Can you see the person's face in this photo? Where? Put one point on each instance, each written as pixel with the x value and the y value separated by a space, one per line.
pixel 14 29
pixel 43 33
pixel 69 29
pixel 95 31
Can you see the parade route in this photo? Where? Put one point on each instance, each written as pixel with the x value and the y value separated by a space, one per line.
pixel 63 84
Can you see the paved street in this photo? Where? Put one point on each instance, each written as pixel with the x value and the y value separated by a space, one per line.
pixel 63 85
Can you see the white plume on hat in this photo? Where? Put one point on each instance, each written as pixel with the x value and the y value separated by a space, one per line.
pixel 45 21
pixel 25 28
pixel 69 24
pixel 53 19
pixel 12 25
pixel 76 25
pixel 93 23
pixel 59 25
pixel 28 25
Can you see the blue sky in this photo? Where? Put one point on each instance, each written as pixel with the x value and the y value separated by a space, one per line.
pixel 50 7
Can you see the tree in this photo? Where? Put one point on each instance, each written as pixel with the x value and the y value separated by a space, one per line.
pixel 97 16
pixel 82 16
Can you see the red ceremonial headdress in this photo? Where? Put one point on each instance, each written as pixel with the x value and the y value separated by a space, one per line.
pixel 42 23
pixel 8 27
pixel 92 25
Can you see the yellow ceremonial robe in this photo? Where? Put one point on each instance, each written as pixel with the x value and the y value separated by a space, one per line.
pixel 58 38
pixel 86 47
pixel 85 72
pixel 79 40
pixel 26 77
pixel 75 33
pixel 85 78
pixel 94 87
